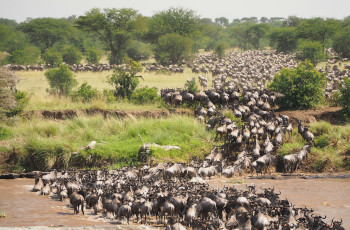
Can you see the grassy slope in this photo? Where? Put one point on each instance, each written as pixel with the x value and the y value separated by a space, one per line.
pixel 42 144
pixel 332 147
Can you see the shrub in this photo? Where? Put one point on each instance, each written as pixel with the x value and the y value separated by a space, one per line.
pixel 22 100
pixel 52 57
pixel 145 95
pixel 311 50
pixel 109 95
pixel 28 55
pixel 71 55
pixel 192 86
pixel 302 87
pixel 173 48
pixel 139 51
pixel 85 92
pixel 92 56
pixel 220 49
pixel 61 80
pixel 124 78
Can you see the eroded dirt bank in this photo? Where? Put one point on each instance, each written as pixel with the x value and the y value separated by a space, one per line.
pixel 69 113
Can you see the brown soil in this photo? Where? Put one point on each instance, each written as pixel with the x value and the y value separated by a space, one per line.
pixel 330 114
pixel 67 114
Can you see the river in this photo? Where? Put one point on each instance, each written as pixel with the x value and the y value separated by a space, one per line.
pixel 23 208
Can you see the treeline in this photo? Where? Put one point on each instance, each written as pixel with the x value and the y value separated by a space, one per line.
pixel 171 36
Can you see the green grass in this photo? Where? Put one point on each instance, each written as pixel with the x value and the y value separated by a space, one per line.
pixel 43 144
pixel 35 83
pixel 332 146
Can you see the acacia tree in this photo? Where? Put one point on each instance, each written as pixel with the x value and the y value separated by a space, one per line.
pixel 174 20
pixel 114 27
pixel 318 29
pixel 46 32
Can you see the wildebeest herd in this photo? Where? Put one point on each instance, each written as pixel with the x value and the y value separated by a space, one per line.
pixel 177 195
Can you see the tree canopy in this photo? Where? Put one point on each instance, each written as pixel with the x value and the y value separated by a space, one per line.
pixel 114 27
pixel 46 32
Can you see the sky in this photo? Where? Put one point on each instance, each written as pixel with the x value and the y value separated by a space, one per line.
pixel 20 10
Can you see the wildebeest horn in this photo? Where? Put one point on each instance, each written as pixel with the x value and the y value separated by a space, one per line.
pixel 324 217
pixel 341 220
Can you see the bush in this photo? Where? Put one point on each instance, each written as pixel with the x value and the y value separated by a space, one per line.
pixel 22 100
pixel 220 49
pixel 192 86
pixel 52 57
pixel 71 55
pixel 302 87
pixel 145 95
pixel 124 78
pixel 92 56
pixel 109 95
pixel 139 51
pixel 173 48
pixel 85 92
pixel 311 50
pixel 27 56
pixel 344 99
pixel 61 80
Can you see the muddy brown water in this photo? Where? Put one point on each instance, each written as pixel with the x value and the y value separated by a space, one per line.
pixel 24 208
pixel 330 197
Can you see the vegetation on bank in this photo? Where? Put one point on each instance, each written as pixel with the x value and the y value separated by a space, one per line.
pixel 41 144
pixel 331 152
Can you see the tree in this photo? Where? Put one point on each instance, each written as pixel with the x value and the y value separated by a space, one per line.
pixel 311 50
pixel 71 55
pixel 255 33
pixel 220 49
pixel 302 88
pixel 318 29
pixel 52 57
pixel 173 48
pixel 46 32
pixel 341 42
pixel 292 21
pixel 61 80
pixel 172 21
pixel 284 38
pixel 213 32
pixel 114 27
pixel 124 78
pixel 222 21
